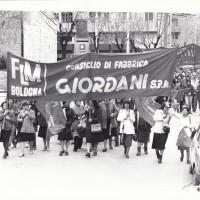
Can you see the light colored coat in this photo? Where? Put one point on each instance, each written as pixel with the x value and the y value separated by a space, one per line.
pixel 27 123
pixel 113 109
pixel 126 125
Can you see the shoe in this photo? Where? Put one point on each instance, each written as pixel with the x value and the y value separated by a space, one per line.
pixel 75 150
pixel 145 150
pixel 188 162
pixel 48 149
pixel 160 159
pixel 61 153
pixel 5 155
pixel 111 147
pixel 127 156
pixel 87 155
pixel 104 150
pixel 116 145
pixel 181 159
pixel 139 151
pixel 22 155
pixel 45 149
pixel 66 153
pixel 94 153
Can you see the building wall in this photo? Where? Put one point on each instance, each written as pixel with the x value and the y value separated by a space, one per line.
pixel 10 36
pixel 40 40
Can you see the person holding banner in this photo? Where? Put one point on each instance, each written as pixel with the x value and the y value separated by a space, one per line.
pixel 161 129
pixel 65 135
pixel 109 122
pixel 27 133
pixel 127 118
pixel 93 127
pixel 43 131
pixel 7 121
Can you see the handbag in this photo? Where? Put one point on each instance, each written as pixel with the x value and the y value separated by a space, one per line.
pixel 166 129
pixel 95 128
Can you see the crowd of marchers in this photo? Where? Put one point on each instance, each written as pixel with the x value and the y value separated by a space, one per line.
pixel 87 123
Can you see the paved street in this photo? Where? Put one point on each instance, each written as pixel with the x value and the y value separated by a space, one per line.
pixel 109 175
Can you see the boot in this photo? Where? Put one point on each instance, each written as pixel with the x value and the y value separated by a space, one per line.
pixel 145 150
pixel 139 151
pixel 157 154
pixel 160 159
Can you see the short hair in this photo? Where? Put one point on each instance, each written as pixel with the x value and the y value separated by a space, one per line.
pixel 187 108
pixel 25 103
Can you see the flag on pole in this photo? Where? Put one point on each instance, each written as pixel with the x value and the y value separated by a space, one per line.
pixel 53 113
pixel 146 106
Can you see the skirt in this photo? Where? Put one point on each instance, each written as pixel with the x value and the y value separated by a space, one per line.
pixel 106 133
pixel 183 141
pixel 88 136
pixel 159 140
pixel 127 140
pixel 97 137
pixel 65 135
pixel 82 133
pixel 5 135
pixel 42 132
pixel 25 137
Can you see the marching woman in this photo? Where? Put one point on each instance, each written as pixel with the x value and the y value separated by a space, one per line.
pixel 185 134
pixel 7 121
pixel 161 129
pixel 27 133
pixel 118 138
pixel 66 134
pixel 78 129
pixel 143 129
pixel 43 131
pixel 93 127
pixel 127 118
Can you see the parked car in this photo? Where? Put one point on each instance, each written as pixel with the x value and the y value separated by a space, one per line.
pixel 195 157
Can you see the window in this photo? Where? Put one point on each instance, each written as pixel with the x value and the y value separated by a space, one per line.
pixel 148 16
pixel 92 16
pixel 81 47
pixel 106 16
pixel 56 15
pixel 175 35
pixel 124 15
pixel 175 22
pixel 69 17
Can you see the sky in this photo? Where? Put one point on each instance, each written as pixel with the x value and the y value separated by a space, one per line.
pixel 191 6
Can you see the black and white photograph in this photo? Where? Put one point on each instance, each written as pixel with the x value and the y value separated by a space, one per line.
pixel 99 100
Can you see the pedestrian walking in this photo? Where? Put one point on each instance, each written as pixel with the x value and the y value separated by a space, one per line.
pixel 94 133
pixel 7 121
pixel 27 132
pixel 65 135
pixel 109 122
pixel 127 118
pixel 161 129
pixel 143 129
pixel 184 138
